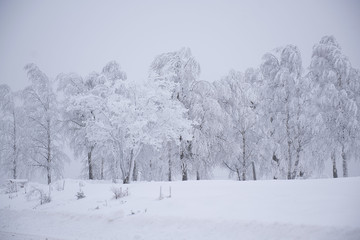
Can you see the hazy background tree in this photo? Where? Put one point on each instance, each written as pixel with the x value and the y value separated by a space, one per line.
pixel 12 134
pixel 44 124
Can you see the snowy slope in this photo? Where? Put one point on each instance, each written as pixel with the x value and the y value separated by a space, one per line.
pixel 308 209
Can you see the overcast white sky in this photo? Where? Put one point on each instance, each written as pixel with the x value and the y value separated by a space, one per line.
pixel 82 36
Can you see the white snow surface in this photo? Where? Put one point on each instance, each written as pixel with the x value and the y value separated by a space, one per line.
pixel 296 209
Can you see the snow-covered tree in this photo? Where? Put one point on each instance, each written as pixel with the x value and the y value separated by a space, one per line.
pixel 281 71
pixel 353 90
pixel 330 71
pixel 304 130
pixel 12 134
pixel 118 118
pixel 238 101
pixel 84 108
pixel 179 70
pixel 44 125
pixel 205 111
pixel 79 114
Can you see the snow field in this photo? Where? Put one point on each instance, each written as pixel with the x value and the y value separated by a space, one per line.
pixel 309 209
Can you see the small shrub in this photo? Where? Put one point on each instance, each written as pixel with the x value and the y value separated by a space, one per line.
pixel 119 193
pixel 40 194
pixel 10 187
pixel 80 194
pixel 45 199
pixel 12 196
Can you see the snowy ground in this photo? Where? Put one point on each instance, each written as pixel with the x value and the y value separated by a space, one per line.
pixel 304 209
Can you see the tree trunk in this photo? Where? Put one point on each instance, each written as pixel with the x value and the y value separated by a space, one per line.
pixel 254 172
pixel 288 142
pixel 14 149
pixel 91 174
pixel 333 159
pixel 184 176
pixel 102 169
pixel 135 174
pixel 299 142
pixel 344 162
pixel 197 175
pixel 183 167
pixel 243 171
pixel 182 161
pixel 48 167
pixel 150 178
pixel 48 175
pixel 184 172
pixel 170 164
pixel 128 178
pixel 297 161
pixel 277 164
pixel 169 174
pixel 238 174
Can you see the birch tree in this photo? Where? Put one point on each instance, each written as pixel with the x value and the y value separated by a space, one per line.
pixel 181 69
pixel 12 134
pixel 330 71
pixel 42 110
pixel 237 99
pixel 282 70
pixel 205 111
pixel 84 107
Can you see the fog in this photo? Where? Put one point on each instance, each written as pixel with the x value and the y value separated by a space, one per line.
pixel 82 36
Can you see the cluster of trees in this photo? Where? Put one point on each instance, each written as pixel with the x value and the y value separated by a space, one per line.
pixel 277 121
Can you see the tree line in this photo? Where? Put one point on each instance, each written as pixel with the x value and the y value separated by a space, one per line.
pixel 277 121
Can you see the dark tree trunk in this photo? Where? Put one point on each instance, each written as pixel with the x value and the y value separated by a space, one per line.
pixel 128 178
pixel 14 148
pixel 333 159
pixel 297 161
pixel 184 175
pixel 197 175
pixel 182 161
pixel 91 171
pixel 254 172
pixel 238 174
pixel 183 168
pixel 169 174
pixel 184 172
pixel 48 167
pixel 288 141
pixel 102 169
pixel 91 174
pixel 277 162
pixel 135 173
pixel 170 164
pixel 48 175
pixel 151 171
pixel 344 162
pixel 243 172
